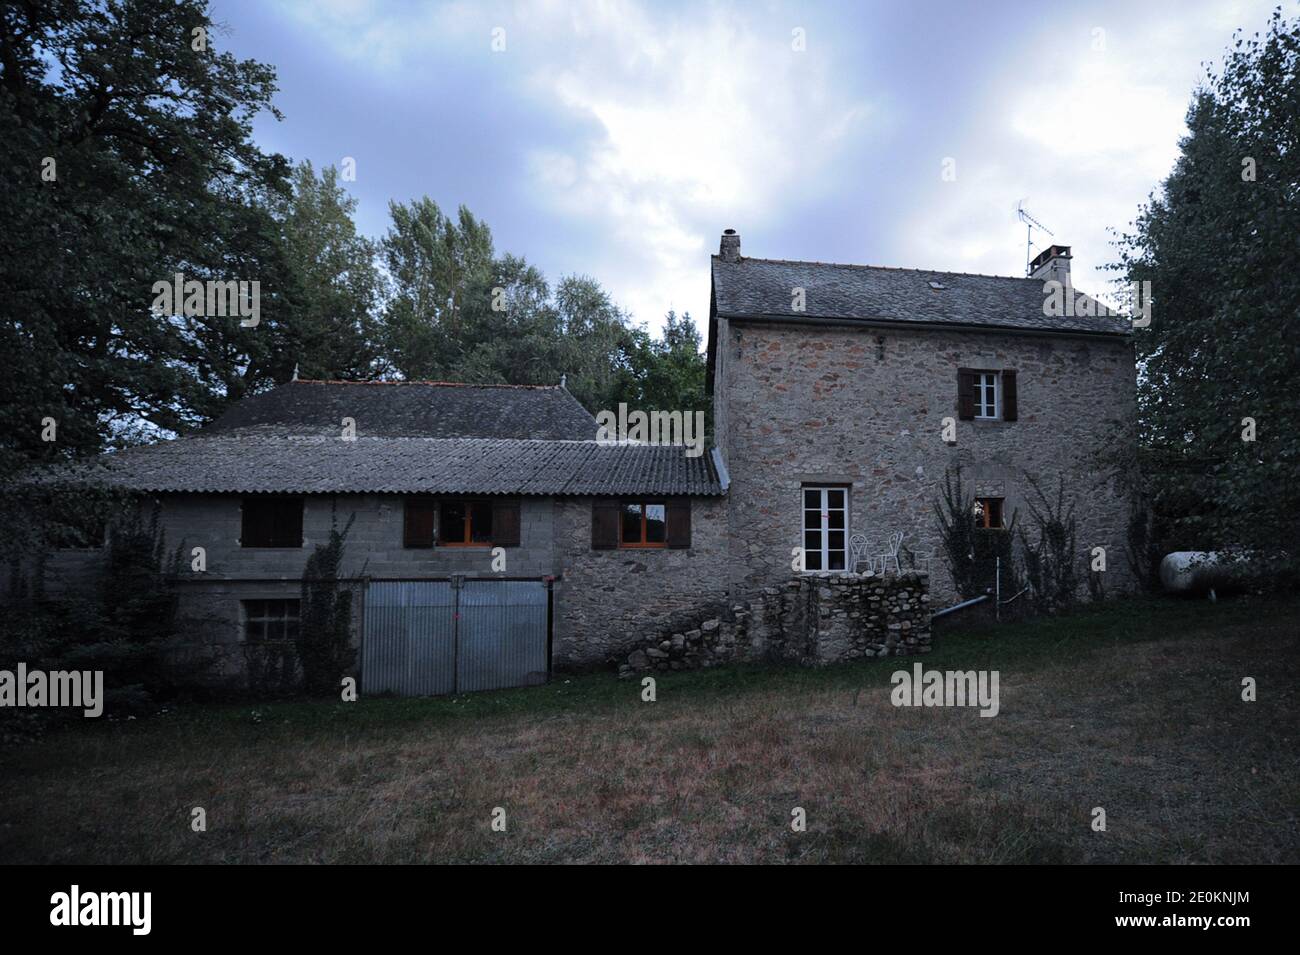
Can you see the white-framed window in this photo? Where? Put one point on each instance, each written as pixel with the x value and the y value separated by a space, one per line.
pixel 825 527
pixel 987 395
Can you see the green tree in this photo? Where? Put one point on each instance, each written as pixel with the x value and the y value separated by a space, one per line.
pixel 668 372
pixel 1218 245
pixel 434 265
pixel 125 156
pixel 456 311
pixel 334 280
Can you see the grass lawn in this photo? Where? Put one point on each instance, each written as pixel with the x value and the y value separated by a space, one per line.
pixel 1135 707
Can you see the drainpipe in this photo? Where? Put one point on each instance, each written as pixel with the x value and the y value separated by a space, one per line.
pixel 961 606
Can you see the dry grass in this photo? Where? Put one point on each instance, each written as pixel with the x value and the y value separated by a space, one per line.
pixel 1134 709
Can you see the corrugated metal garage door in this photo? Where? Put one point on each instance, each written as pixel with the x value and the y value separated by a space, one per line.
pixel 502 634
pixel 426 637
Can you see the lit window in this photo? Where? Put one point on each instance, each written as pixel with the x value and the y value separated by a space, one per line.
pixel 988 512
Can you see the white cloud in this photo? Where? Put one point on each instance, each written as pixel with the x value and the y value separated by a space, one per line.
pixel 697 123
pixel 1083 135
pixel 689 121
pixel 659 126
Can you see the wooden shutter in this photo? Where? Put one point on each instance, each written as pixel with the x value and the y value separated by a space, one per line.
pixel 505 523
pixel 288 522
pixel 254 523
pixel 1009 408
pixel 417 525
pixel 965 394
pixel 604 525
pixel 677 514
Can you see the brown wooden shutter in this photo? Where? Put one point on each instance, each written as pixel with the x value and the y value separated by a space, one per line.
pixel 1009 405
pixel 417 527
pixel 965 394
pixel 677 514
pixel 505 523
pixel 604 525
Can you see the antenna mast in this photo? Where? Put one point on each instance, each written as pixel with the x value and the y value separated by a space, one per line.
pixel 1030 223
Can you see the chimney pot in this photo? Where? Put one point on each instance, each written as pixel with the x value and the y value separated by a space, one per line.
pixel 1052 265
pixel 729 249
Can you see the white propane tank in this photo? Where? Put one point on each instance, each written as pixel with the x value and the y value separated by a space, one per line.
pixel 1198 571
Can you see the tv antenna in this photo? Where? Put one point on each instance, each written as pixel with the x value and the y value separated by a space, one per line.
pixel 1030 224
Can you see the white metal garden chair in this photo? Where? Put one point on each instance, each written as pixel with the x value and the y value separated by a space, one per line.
pixel 890 556
pixel 922 559
pixel 858 552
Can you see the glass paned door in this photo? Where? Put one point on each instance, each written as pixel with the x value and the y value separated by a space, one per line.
pixel 825 527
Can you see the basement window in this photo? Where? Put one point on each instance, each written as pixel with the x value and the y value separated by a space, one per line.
pixel 644 524
pixel 989 513
pixel 825 527
pixel 271 621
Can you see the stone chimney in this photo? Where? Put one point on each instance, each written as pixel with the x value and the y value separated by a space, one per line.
pixel 1052 265
pixel 729 250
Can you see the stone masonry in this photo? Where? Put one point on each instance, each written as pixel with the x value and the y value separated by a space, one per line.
pixel 863 407
pixel 607 601
pixel 812 620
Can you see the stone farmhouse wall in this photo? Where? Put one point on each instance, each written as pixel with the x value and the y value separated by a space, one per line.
pixel 374 543
pixel 864 407
pixel 812 620
pixel 210 623
pixel 606 601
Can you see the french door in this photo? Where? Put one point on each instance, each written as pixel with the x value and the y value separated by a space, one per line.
pixel 825 527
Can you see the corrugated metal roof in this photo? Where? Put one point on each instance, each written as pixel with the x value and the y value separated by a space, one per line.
pixel 764 288
pixel 246 461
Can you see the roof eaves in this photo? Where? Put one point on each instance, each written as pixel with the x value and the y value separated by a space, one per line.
pixel 804 318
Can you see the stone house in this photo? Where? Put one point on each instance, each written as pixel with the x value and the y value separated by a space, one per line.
pixel 832 386
pixel 490 509
pixel 494 538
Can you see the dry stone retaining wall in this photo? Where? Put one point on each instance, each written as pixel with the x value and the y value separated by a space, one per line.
pixel 813 620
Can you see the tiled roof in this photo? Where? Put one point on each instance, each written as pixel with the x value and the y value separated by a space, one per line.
pixel 764 288
pixel 426 409
pixel 250 461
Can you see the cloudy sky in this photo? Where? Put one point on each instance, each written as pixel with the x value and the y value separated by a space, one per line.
pixel 618 139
